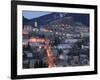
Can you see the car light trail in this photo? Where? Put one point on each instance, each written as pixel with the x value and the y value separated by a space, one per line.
pixel 51 59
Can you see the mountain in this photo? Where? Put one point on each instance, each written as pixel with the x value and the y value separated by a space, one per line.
pixel 25 20
pixel 81 18
pixel 44 20
pixel 70 18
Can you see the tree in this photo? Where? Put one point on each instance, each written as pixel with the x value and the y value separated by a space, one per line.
pixel 56 41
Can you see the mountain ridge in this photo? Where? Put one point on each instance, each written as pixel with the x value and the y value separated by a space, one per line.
pixel 46 19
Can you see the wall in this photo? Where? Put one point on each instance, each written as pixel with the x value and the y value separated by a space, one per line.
pixel 5 30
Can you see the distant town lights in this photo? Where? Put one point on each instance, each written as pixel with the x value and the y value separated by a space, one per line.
pixel 56 32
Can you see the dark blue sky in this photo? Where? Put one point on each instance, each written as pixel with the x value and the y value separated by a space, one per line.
pixel 33 14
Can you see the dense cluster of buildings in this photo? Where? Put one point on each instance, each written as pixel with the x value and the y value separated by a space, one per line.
pixel 68 41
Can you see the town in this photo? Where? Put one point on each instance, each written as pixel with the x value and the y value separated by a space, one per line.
pixel 55 40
